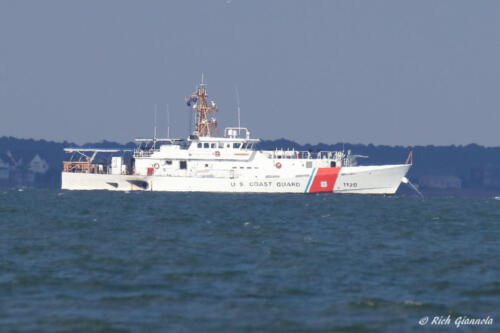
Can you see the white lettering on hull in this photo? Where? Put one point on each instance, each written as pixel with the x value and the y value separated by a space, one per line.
pixel 266 184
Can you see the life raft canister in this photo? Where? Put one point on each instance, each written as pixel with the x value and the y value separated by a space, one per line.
pixel 278 165
pixel 217 153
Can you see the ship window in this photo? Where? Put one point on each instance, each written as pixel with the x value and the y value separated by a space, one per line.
pixel 228 145
pixel 200 145
pixel 236 145
pixel 244 146
pixel 212 145
pixel 168 162
pixel 206 165
pixel 333 164
pixel 234 168
pixel 206 145
pixel 309 164
pixel 182 165
pixel 221 144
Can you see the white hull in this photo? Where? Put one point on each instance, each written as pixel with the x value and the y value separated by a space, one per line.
pixel 357 180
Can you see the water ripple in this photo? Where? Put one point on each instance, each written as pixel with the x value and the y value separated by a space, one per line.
pixel 116 262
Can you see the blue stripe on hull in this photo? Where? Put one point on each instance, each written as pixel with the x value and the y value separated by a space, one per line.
pixel 309 181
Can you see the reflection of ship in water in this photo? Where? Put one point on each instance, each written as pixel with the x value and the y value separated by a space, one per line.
pixel 208 162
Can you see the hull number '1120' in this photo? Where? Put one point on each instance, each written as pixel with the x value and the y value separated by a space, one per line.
pixel 350 185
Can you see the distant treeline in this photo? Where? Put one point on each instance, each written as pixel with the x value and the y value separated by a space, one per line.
pixel 475 166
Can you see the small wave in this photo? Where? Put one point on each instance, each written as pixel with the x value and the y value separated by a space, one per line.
pixel 136 299
pixel 379 303
pixel 7 278
pixel 492 290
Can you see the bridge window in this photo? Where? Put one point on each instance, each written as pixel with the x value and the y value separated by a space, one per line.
pixel 168 162
pixel 212 145
pixel 236 145
pixel 221 145
pixel 206 145
pixel 200 145
pixel 183 165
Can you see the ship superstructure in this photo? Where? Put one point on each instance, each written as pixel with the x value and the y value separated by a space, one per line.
pixel 208 162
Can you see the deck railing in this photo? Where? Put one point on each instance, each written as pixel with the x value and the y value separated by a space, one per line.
pixel 84 167
pixel 296 154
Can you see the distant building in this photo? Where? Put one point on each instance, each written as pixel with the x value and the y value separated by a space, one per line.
pixel 491 175
pixel 38 165
pixel 440 182
pixel 4 170
pixel 485 176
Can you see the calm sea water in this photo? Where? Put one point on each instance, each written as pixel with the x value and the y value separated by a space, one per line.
pixel 154 262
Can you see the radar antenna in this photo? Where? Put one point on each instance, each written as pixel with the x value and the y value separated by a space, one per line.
pixel 206 125
pixel 238 102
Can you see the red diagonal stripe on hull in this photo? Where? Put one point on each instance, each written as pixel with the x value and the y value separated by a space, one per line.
pixel 324 180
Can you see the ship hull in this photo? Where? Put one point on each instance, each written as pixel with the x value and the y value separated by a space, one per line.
pixel 355 180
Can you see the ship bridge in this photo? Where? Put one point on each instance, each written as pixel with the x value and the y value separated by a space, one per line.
pixel 234 138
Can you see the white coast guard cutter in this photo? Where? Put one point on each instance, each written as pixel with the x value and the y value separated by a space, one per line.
pixel 207 162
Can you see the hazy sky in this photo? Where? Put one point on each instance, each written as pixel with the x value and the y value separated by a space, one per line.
pixel 382 72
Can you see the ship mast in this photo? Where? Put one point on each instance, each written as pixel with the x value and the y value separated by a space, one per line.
pixel 206 125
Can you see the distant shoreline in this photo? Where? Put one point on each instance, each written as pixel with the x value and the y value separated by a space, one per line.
pixel 470 170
